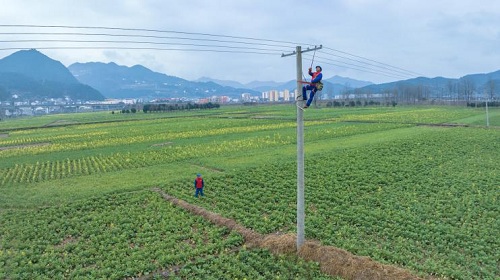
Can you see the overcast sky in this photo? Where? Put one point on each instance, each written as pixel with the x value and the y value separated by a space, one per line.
pixel 449 38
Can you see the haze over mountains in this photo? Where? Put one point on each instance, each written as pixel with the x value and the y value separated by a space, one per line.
pixel 116 81
pixel 29 74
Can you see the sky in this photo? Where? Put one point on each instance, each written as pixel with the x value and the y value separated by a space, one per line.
pixel 370 40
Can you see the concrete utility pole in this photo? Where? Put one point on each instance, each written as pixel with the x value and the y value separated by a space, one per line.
pixel 487 114
pixel 300 149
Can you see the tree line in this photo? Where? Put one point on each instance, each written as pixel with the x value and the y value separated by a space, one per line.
pixel 463 91
pixel 162 107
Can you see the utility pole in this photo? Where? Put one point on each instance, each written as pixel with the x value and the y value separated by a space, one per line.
pixel 300 148
pixel 487 114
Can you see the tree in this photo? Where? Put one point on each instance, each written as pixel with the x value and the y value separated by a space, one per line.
pixel 467 89
pixel 452 89
pixel 490 89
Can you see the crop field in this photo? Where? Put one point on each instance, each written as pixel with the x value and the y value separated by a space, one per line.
pixel 413 187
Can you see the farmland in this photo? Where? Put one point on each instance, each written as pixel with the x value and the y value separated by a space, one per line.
pixel 394 184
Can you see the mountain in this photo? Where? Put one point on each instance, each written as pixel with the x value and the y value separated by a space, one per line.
pixel 483 79
pixel 254 85
pixel 334 85
pixel 465 88
pixel 226 83
pixel 29 74
pixel 116 81
pixel 264 85
pixel 347 82
pixel 36 65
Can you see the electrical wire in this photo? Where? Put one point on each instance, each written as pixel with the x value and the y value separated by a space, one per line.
pixel 365 70
pixel 151 30
pixel 137 48
pixel 371 60
pixel 140 36
pixel 385 71
pixel 222 44
pixel 135 42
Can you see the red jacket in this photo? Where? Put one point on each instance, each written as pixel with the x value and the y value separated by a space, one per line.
pixel 198 183
pixel 316 76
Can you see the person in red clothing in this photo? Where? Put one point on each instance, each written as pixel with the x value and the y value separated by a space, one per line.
pixel 198 185
pixel 315 78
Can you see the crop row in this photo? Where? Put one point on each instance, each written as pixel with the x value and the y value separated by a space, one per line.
pixel 27 173
pixel 87 137
pixel 107 139
pixel 415 115
pixel 6 142
pixel 422 203
pixel 50 170
pixel 250 264
pixel 130 235
pixel 110 237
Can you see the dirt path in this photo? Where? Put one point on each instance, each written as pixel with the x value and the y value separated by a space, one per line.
pixel 23 146
pixel 208 168
pixel 333 261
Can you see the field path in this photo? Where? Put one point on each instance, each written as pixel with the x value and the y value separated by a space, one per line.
pixel 333 261
pixel 23 146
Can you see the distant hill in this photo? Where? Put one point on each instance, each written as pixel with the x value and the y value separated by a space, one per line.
pixel 352 83
pixel 226 83
pixel 483 79
pixel 336 83
pixel 465 88
pixel 36 65
pixel 117 81
pixel 29 74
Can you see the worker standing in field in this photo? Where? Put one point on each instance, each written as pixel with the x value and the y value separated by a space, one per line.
pixel 198 185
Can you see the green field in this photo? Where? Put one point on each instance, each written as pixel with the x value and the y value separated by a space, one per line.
pixel 415 187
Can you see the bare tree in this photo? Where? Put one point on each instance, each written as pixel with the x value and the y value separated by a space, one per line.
pixel 467 88
pixel 451 87
pixel 490 89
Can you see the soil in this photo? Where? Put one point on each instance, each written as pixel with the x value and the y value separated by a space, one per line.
pixel 23 146
pixel 333 261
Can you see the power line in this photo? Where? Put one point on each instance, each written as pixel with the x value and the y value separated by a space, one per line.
pixel 383 70
pixel 139 36
pixel 368 65
pixel 365 70
pixel 357 56
pixel 151 30
pixel 235 44
pixel 133 42
pixel 134 48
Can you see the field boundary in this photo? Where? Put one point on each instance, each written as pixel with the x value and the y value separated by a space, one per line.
pixel 333 261
pixel 68 123
pixel 4 148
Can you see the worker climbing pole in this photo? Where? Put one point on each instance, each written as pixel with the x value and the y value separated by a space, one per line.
pixel 313 86
pixel 300 149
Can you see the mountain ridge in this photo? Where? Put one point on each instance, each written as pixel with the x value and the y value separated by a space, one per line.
pixel 36 65
pixel 29 74
pixel 117 81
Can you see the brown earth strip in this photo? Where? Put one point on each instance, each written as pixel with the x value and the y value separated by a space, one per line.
pixel 61 123
pixel 413 123
pixel 209 168
pixel 333 261
pixel 23 146
pixel 162 144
